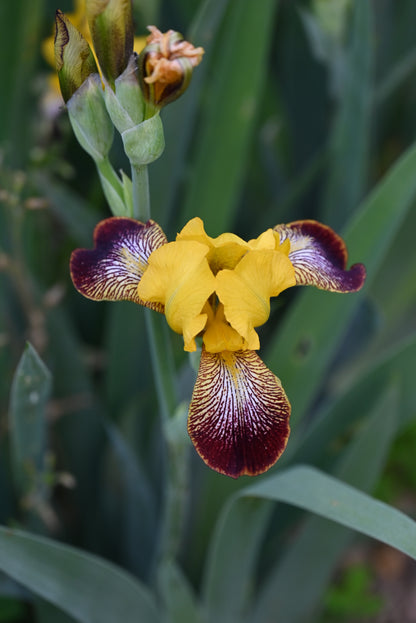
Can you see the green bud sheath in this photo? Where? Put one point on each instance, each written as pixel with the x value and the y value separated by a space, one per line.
pixel 129 93
pixel 111 26
pixel 125 104
pixel 73 57
pixel 145 142
pixel 90 120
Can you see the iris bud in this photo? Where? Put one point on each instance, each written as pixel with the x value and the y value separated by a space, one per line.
pixel 125 103
pixel 73 56
pixel 143 139
pixel 166 65
pixel 111 26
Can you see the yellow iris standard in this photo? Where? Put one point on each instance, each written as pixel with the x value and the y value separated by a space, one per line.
pixel 221 286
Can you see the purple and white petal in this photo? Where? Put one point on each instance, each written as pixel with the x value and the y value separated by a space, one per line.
pixel 319 257
pixel 113 269
pixel 239 414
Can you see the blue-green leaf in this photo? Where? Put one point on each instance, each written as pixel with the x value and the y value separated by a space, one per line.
pixel 29 395
pixel 82 585
pixel 311 558
pixel 348 150
pixel 312 490
pixel 180 602
pixel 234 95
pixel 311 333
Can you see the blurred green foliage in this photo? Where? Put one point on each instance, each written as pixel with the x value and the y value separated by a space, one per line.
pixel 352 597
pixel 300 109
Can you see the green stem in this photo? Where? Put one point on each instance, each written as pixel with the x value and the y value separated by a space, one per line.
pixel 162 364
pixel 176 473
pixel 105 168
pixel 141 196
pixel 112 187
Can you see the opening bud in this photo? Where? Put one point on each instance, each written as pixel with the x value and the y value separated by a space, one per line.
pixel 166 65
pixel 111 26
pixel 73 56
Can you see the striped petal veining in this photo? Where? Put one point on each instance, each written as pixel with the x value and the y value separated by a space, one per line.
pixel 319 257
pixel 239 415
pixel 113 269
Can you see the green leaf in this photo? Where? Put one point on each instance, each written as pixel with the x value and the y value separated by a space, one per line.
pixel 71 209
pixel 178 597
pixel 20 24
pixel 30 393
pixel 124 374
pixel 348 150
pixel 229 573
pixel 312 490
pixel 182 114
pixel 232 557
pixel 400 72
pixel 343 415
pixel 227 128
pixel 81 436
pixel 48 613
pixel 311 558
pixel 311 333
pixel 131 503
pixel 82 585
pixel 397 302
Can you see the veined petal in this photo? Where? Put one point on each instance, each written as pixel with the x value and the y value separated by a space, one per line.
pixel 113 269
pixel 179 277
pixel 319 257
pixel 245 291
pixel 239 415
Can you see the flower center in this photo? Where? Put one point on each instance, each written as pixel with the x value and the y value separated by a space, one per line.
pixel 218 287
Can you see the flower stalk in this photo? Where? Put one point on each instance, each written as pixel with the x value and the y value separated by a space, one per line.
pixel 141 195
pixel 176 469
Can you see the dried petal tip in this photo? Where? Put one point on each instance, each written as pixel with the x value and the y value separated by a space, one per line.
pixel 73 57
pixel 166 65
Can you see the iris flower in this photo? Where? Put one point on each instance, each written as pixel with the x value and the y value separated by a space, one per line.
pixel 219 289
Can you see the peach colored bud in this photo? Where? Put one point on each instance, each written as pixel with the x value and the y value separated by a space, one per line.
pixel 166 65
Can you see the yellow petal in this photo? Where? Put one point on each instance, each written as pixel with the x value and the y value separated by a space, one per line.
pixel 225 257
pixel 219 334
pixel 245 292
pixel 194 230
pixel 266 240
pixel 139 44
pixel 225 251
pixel 179 277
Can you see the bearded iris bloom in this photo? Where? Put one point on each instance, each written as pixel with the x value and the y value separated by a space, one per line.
pixel 219 289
